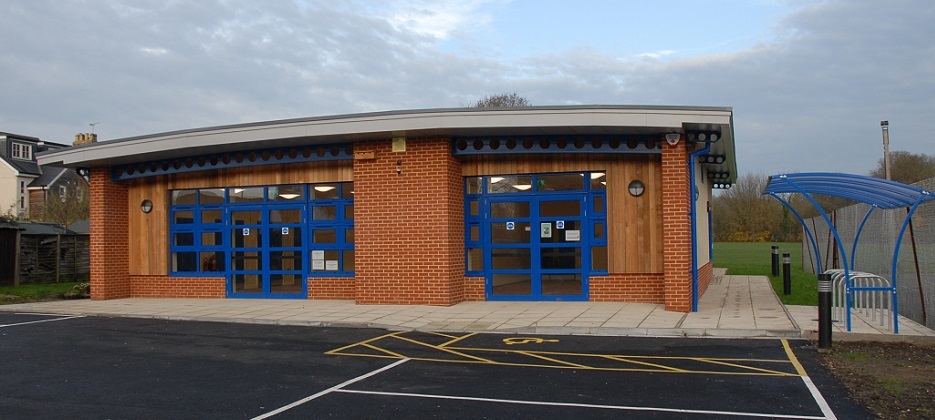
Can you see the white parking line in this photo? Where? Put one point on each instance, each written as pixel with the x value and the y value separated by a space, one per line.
pixel 580 405
pixel 40 321
pixel 329 390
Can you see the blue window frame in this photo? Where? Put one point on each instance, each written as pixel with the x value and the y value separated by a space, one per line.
pixel 202 229
pixel 580 249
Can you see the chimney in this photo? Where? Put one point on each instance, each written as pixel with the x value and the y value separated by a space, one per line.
pixel 85 138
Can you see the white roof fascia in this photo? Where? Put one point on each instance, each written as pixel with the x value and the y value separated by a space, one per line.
pixel 354 126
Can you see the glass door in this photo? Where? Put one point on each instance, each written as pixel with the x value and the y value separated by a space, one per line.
pixel 535 250
pixel 266 252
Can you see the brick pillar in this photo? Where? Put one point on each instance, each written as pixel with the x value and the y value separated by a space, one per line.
pixel 409 228
pixel 676 228
pixel 110 258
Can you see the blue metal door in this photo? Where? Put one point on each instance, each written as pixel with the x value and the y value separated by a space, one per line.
pixel 537 247
pixel 266 252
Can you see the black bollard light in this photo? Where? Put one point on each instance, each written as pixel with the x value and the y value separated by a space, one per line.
pixel 786 274
pixel 824 311
pixel 775 261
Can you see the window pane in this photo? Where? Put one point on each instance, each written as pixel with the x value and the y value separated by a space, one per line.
pixel 510 184
pixel 285 237
pixel 348 260
pixel 562 208
pixel 285 260
pixel 183 239
pixel 473 185
pixel 475 260
pixel 324 213
pixel 246 238
pixel 285 283
pixel 183 197
pixel 560 258
pixel 475 233
pixel 519 235
pixel 287 193
pixel 349 212
pixel 561 182
pixel 254 217
pixel 349 236
pixel 324 236
pixel 183 217
pixel 211 196
pixel 599 203
pixel 598 181
pixel 599 258
pixel 561 284
pixel 509 210
pixel 512 284
pixel 248 283
pixel 510 259
pixel 474 208
pixel 246 261
pixel 347 190
pixel 246 194
pixel 211 216
pixel 212 261
pixel 292 216
pixel 324 192
pixel 598 230
pixel 184 262
pixel 212 239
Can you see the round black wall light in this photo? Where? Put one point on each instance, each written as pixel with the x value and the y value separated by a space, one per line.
pixel 146 206
pixel 636 188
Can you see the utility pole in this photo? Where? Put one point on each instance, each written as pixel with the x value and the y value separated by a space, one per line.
pixel 886 148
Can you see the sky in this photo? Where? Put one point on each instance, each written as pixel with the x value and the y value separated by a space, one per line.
pixel 808 80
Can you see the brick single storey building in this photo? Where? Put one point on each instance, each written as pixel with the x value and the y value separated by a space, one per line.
pixel 440 206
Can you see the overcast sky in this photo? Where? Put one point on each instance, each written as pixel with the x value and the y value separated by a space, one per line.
pixel 809 81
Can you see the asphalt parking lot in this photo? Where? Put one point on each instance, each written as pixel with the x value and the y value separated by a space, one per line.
pixel 56 366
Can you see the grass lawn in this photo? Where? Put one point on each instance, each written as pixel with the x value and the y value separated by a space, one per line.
pixel 754 258
pixel 17 294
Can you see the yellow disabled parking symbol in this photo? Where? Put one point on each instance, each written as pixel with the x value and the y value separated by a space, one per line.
pixel 526 340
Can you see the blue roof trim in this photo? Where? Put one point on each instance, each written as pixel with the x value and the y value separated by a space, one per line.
pixel 874 191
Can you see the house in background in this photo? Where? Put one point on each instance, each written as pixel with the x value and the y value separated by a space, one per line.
pixel 25 185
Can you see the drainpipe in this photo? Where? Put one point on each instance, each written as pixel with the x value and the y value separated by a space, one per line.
pixel 693 223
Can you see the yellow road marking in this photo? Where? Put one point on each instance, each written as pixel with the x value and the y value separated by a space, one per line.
pixel 549 356
pixel 363 342
pixel 627 360
pixel 717 362
pixel 793 359
pixel 444 349
pixel 526 340
pixel 448 343
pixel 532 354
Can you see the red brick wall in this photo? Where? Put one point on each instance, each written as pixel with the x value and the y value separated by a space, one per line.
pixel 644 288
pixel 110 260
pixel 332 288
pixel 177 287
pixel 475 289
pixel 676 228
pixel 410 226
pixel 705 274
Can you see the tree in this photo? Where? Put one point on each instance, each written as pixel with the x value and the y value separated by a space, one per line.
pixel 68 205
pixel 744 214
pixel 503 100
pixel 906 167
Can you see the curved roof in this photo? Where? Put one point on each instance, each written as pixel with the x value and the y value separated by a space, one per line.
pixel 874 191
pixel 453 122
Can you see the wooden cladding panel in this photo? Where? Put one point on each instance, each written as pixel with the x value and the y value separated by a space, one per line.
pixel 634 223
pixel 149 233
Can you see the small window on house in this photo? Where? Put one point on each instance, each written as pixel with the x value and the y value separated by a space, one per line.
pixel 22 151
pixel 62 192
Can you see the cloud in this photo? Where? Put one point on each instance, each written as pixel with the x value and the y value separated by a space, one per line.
pixel 810 99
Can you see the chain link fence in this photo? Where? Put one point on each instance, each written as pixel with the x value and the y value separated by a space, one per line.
pixel 916 266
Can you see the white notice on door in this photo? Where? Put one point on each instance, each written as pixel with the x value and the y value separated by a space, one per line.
pixel 572 235
pixel 331 265
pixel 545 230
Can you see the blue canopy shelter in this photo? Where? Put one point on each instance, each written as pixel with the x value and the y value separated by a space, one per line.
pixel 878 193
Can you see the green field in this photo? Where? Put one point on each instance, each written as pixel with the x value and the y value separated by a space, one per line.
pixel 753 258
pixel 25 292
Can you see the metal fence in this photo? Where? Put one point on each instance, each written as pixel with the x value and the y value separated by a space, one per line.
pixel 916 265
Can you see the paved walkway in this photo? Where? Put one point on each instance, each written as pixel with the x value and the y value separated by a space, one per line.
pixel 733 306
